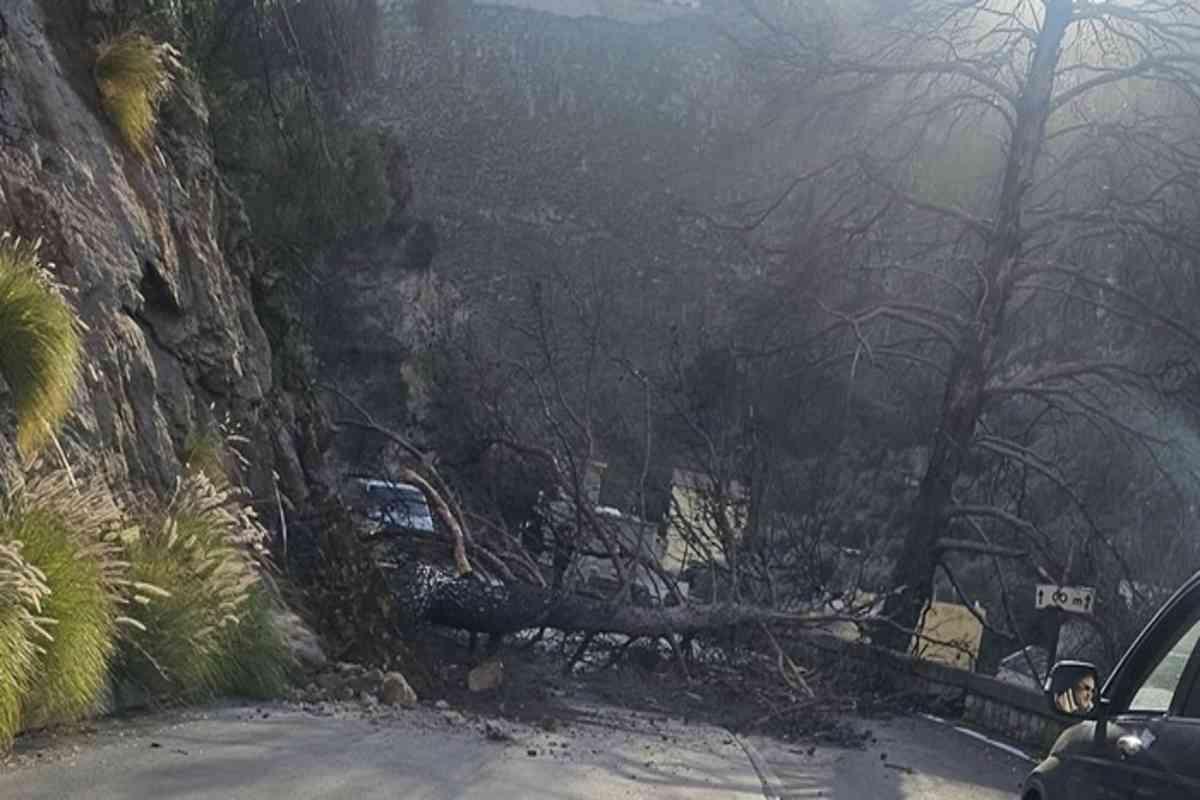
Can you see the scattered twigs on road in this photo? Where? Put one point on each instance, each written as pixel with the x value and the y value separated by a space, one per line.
pixel 791 674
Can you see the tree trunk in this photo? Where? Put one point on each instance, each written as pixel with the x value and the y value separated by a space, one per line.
pixel 963 400
pixel 434 595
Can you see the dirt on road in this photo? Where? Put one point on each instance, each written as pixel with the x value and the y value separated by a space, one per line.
pixel 640 730
pixel 906 758
pixel 285 752
pixel 348 751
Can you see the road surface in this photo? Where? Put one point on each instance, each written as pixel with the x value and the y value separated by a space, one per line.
pixel 911 758
pixel 285 753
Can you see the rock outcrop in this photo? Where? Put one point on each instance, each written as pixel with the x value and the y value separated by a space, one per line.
pixel 375 307
pixel 155 255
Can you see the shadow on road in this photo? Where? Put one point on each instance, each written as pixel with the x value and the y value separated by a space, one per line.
pixel 237 753
pixel 908 759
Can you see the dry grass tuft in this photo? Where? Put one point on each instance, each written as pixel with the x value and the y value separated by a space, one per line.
pixel 22 593
pixel 206 550
pixel 69 534
pixel 41 336
pixel 133 74
pixel 204 452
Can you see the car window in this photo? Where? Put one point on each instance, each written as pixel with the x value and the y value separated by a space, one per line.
pixel 397 505
pixel 1156 691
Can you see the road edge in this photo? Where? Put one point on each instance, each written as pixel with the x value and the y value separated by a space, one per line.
pixel 1003 747
pixel 772 787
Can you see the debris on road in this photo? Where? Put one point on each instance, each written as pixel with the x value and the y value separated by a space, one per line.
pixel 396 691
pixel 493 731
pixel 487 676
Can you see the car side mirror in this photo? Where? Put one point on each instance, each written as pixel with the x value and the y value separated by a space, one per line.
pixel 1073 688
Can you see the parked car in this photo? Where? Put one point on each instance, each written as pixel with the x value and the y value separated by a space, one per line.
pixel 1140 738
pixel 395 508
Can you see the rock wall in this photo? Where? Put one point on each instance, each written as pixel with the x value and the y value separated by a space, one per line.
pixel 373 305
pixel 155 255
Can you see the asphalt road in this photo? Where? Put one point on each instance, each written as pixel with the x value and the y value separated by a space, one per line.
pixel 284 753
pixel 911 758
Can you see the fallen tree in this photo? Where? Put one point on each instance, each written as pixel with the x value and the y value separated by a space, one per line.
pixel 472 603
pixel 437 583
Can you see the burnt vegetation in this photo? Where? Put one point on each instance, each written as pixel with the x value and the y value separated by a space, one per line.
pixel 949 352
pixel 925 328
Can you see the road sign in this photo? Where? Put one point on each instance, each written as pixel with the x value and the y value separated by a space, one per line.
pixel 1076 599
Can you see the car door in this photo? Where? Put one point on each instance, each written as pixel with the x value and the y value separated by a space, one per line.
pixel 1149 747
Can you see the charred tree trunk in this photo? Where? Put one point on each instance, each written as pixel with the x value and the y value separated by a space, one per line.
pixel 436 596
pixel 966 384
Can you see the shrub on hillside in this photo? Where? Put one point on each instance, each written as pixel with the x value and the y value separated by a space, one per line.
pixel 204 548
pixel 69 534
pixel 22 591
pixel 133 74
pixel 259 651
pixel 309 178
pixel 39 359
pixel 205 452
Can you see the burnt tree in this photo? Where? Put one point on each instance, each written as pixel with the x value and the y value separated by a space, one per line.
pixel 1075 116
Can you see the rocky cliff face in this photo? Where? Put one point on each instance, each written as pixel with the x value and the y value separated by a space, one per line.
pixel 155 255
pixel 373 305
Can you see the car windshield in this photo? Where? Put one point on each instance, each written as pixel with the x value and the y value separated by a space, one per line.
pixel 398 505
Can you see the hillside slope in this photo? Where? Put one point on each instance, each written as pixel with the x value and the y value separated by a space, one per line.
pixel 154 253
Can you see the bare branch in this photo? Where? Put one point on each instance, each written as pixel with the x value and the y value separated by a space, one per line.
pixel 1143 306
pixel 975 225
pixel 1115 371
pixel 957 68
pixel 1163 67
pixel 979 548
pixel 368 422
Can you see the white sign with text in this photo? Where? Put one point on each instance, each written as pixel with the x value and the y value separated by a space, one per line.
pixel 1076 599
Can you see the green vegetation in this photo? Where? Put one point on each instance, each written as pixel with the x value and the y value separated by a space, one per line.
pixel 278 81
pixel 258 650
pixel 204 452
pixel 307 183
pixel 22 591
pixel 200 639
pixel 308 178
pixel 200 617
pixel 69 535
pixel 41 334
pixel 133 76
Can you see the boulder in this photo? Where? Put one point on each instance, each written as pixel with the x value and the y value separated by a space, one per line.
pixel 487 676
pixel 396 691
pixel 302 643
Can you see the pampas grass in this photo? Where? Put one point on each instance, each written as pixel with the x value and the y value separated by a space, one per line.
pixel 22 591
pixel 213 628
pixel 41 343
pixel 205 452
pixel 133 74
pixel 261 661
pixel 69 534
